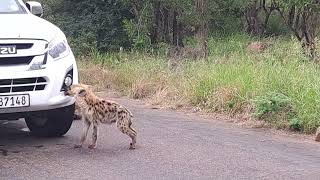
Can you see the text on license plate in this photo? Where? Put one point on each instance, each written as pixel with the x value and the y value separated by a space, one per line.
pixel 11 101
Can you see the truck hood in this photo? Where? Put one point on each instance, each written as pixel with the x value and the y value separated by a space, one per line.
pixel 26 26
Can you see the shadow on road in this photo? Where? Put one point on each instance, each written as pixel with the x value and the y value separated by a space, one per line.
pixel 15 138
pixel 13 130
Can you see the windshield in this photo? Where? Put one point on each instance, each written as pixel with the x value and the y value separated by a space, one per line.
pixel 11 7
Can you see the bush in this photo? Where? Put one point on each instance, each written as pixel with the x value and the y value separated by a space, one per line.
pixel 273 103
pixel 276 108
pixel 295 124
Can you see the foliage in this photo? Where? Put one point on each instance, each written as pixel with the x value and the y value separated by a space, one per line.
pixel 90 24
pixel 302 17
pixel 295 124
pixel 107 25
pixel 284 88
pixel 271 104
pixel 277 108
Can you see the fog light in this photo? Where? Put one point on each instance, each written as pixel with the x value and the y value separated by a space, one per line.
pixel 68 81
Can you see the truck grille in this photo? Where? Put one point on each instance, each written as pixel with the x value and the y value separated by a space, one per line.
pixel 19 45
pixel 22 85
pixel 5 61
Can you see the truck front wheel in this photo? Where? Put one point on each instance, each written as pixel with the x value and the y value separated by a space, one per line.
pixel 52 123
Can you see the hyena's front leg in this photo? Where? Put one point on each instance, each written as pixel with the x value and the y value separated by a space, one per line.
pixel 94 136
pixel 86 126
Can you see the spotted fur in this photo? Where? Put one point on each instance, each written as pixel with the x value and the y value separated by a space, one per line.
pixel 77 112
pixel 95 110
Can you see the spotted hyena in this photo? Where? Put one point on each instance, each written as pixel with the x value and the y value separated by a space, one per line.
pixel 95 110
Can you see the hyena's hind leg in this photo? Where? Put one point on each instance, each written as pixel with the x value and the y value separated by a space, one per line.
pixel 124 125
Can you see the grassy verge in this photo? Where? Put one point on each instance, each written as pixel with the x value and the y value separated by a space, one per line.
pixel 278 86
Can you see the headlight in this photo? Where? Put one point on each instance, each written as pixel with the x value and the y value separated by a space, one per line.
pixel 59 48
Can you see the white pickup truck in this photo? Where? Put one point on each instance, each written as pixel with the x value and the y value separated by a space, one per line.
pixel 36 66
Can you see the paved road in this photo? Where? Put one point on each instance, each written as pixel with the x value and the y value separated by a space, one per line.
pixel 171 146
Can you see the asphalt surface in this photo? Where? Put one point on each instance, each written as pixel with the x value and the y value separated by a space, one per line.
pixel 170 146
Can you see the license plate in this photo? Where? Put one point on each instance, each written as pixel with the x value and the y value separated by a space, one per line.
pixel 8 50
pixel 12 101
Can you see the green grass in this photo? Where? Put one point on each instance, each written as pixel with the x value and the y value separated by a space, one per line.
pixel 279 86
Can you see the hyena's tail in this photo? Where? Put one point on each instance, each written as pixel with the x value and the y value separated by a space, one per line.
pixel 130 120
pixel 130 123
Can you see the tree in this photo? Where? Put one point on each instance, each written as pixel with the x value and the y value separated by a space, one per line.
pixel 90 24
pixel 302 17
pixel 255 14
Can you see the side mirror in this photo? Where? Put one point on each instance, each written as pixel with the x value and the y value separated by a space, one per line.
pixel 35 8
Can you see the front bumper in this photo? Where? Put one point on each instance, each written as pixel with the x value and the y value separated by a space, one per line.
pixel 51 97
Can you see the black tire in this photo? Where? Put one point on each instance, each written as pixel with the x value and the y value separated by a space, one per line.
pixel 55 123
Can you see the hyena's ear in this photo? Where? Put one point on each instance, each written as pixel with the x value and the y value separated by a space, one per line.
pixel 82 92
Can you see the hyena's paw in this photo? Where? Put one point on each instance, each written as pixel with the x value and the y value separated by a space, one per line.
pixel 132 146
pixel 92 146
pixel 77 146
